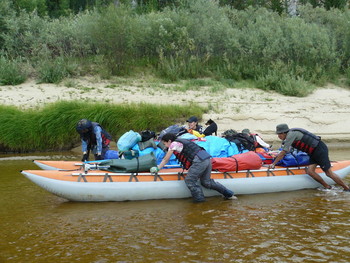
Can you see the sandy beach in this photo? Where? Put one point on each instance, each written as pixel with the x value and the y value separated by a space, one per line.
pixel 325 112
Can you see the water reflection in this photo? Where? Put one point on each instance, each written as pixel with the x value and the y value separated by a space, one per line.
pixel 301 226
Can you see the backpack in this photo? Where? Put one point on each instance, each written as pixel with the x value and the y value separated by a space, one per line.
pixel 176 129
pixel 128 140
pixel 146 135
pixel 229 132
pixel 242 140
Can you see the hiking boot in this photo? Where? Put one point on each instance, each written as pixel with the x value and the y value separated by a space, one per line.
pixel 229 195
pixel 232 197
pixel 198 200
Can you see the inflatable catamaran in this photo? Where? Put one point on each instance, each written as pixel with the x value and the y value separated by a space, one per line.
pixel 97 182
pixel 125 179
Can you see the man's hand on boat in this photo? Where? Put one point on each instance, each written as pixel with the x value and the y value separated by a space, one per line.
pixel 272 166
pixel 154 169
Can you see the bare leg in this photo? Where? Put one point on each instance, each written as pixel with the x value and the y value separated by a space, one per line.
pixel 336 178
pixel 312 172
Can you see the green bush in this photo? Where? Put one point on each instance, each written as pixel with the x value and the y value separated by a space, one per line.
pixel 336 23
pixel 192 39
pixel 265 38
pixel 113 35
pixel 54 71
pixel 347 76
pixel 11 72
pixel 285 84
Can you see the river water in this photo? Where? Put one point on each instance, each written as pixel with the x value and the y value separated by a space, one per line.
pixel 300 226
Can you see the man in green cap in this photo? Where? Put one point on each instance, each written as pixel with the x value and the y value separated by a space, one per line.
pixel 310 143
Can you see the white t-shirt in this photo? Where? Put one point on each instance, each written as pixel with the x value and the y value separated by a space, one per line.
pixel 176 146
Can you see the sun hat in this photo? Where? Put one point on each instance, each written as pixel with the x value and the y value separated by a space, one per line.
pixel 282 128
pixel 192 119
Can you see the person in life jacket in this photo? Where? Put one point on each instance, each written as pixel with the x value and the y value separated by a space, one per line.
pixel 308 142
pixel 197 161
pixel 93 138
pixel 258 141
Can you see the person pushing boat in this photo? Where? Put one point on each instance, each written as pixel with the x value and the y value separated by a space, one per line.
pixel 93 138
pixel 197 161
pixel 310 143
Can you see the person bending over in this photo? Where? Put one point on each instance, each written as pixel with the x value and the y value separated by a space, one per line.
pixel 308 142
pixel 197 161
pixel 93 138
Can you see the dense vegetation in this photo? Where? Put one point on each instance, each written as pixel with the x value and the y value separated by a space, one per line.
pixel 53 127
pixel 188 39
pixel 59 8
pixel 226 41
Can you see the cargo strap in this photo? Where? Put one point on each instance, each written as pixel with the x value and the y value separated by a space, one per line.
pixel 289 171
pixel 269 172
pixel 81 176
pixel 249 173
pixel 133 176
pixel 107 176
pixel 236 163
pixel 156 176
pixel 227 175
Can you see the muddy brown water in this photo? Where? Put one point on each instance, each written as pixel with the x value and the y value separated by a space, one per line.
pixel 300 226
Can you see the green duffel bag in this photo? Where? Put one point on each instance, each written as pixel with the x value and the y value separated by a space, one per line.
pixel 135 165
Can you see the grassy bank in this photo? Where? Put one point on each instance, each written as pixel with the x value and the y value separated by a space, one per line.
pixel 53 127
pixel 195 39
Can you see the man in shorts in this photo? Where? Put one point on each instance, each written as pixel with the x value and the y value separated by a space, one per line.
pixel 308 142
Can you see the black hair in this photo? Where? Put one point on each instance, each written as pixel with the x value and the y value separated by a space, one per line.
pixel 169 136
pixel 83 126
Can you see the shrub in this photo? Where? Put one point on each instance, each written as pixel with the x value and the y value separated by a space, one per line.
pixel 113 35
pixel 192 39
pixel 11 72
pixel 54 71
pixel 336 22
pixel 284 82
pixel 347 76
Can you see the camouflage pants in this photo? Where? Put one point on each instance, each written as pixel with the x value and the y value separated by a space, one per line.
pixel 200 170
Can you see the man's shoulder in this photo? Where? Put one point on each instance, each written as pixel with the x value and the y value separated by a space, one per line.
pixel 97 128
pixel 293 134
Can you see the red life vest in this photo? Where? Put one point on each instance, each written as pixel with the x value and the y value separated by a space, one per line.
pixel 91 138
pixel 307 143
pixel 189 151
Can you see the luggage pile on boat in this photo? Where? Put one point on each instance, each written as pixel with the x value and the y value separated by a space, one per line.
pixel 127 175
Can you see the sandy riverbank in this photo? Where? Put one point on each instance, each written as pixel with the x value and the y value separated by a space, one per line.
pixel 326 112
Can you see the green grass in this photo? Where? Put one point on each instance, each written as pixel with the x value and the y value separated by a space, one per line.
pixel 11 72
pixel 53 127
